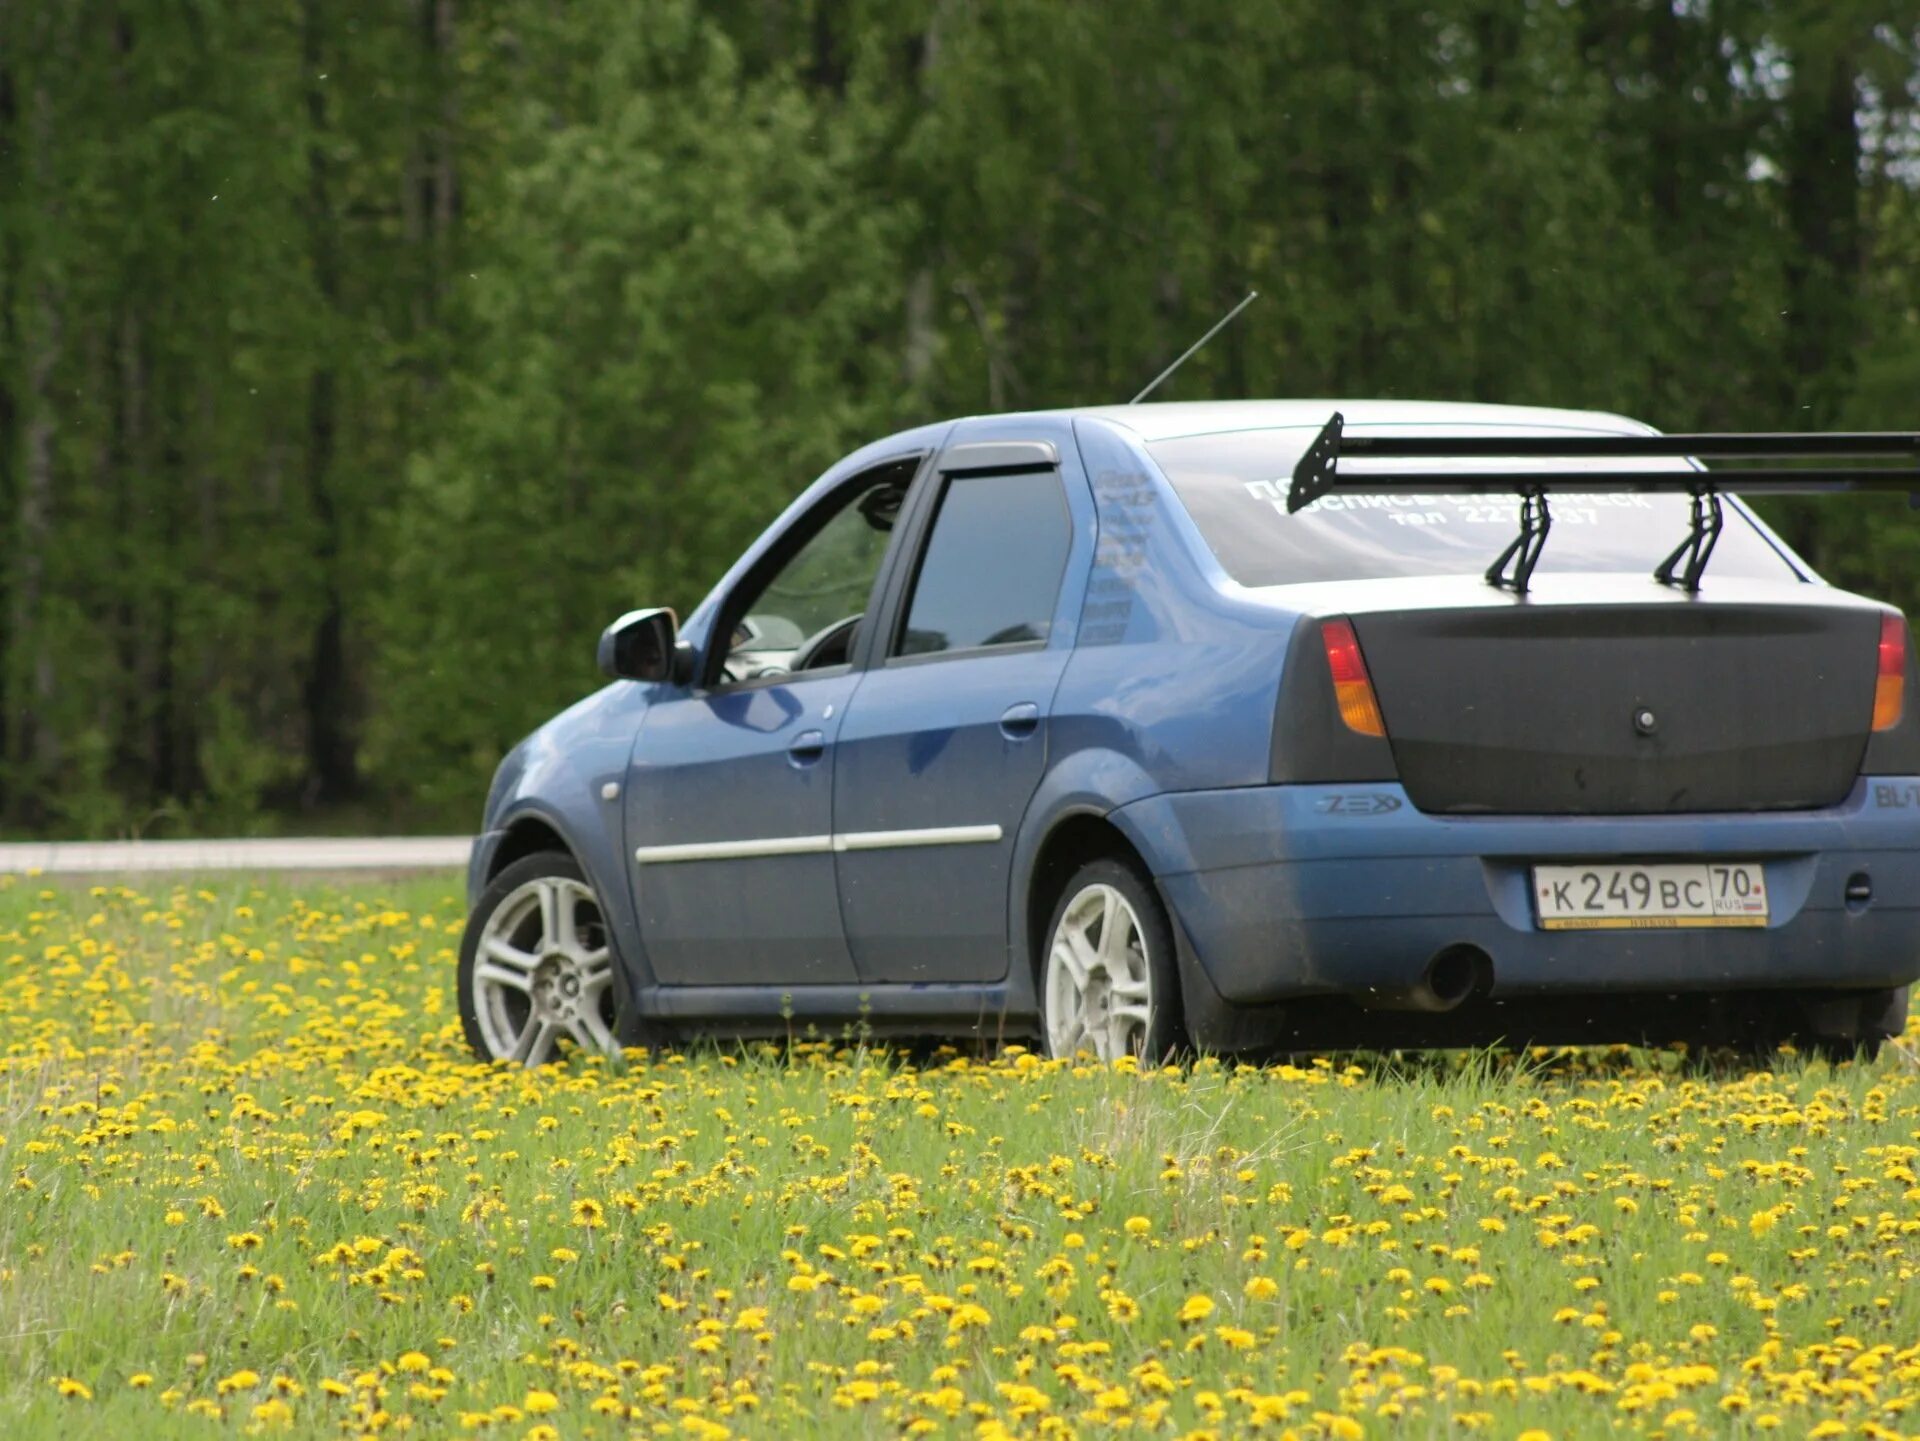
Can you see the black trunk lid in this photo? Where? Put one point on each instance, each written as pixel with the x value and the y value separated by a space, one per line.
pixel 1625 708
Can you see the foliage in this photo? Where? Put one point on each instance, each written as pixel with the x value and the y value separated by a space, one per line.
pixel 358 360
pixel 254 1184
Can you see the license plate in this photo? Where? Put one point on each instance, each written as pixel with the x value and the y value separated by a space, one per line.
pixel 1670 896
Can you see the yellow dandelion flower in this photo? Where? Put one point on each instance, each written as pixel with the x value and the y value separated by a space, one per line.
pixel 274 1413
pixel 589 1213
pixel 1195 1309
pixel 966 1315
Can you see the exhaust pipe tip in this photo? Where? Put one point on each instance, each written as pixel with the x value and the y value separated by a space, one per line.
pixel 1455 975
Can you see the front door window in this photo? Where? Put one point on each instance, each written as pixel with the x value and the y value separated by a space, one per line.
pixel 805 617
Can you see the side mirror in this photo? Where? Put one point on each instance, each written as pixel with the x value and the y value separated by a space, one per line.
pixel 644 645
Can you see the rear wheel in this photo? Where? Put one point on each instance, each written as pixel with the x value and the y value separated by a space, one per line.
pixel 1841 1028
pixel 1108 984
pixel 536 965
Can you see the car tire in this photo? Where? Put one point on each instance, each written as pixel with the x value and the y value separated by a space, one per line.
pixel 537 965
pixel 1109 940
pixel 1878 1017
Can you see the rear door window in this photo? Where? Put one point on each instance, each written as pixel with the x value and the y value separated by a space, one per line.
pixel 990 574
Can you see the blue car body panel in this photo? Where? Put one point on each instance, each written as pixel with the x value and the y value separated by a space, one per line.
pixel 1149 709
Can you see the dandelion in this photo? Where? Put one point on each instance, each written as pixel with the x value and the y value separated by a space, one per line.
pixel 273 1413
pixel 1195 1309
pixel 967 1315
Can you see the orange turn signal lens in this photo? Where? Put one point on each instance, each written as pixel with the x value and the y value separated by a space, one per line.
pixel 1352 686
pixel 1890 688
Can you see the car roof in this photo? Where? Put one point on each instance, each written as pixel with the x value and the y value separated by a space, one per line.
pixel 1175 419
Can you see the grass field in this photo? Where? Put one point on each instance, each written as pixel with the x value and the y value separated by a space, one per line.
pixel 254 1184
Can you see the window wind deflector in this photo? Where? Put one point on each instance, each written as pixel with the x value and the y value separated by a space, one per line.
pixel 1825 462
pixel 999 457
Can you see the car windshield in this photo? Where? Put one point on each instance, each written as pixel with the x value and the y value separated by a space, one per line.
pixel 1235 488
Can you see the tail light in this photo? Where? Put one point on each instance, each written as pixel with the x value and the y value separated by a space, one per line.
pixel 1353 687
pixel 1889 690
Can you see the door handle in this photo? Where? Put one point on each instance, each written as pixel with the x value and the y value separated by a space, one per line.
pixel 807 748
pixel 1017 722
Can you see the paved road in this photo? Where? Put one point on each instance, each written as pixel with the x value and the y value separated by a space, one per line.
pixel 333 853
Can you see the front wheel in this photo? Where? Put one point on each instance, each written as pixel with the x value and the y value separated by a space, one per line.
pixel 536 965
pixel 1108 983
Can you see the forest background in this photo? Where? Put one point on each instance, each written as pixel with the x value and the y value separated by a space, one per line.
pixel 360 358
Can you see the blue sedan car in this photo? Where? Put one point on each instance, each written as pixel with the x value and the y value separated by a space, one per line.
pixel 1134 729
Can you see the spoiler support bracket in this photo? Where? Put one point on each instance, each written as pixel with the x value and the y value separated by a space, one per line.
pixel 1703 533
pixel 1523 552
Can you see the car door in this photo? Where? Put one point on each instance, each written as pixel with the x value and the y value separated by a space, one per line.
pixel 945 740
pixel 729 793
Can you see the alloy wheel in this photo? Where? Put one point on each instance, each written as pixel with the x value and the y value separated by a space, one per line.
pixel 1099 988
pixel 544 969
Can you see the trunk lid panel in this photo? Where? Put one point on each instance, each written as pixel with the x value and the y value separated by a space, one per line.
pixel 1544 709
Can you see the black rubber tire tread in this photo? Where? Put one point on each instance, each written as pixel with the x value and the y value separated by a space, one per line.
pixel 1166 1034
pixel 538 866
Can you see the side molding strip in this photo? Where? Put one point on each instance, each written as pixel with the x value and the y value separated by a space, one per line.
pixel 735 850
pixel 934 836
pixel 816 845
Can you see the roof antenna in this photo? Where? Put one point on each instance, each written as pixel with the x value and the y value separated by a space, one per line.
pixel 1218 326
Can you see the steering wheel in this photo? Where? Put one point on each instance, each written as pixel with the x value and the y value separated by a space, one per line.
pixel 822 642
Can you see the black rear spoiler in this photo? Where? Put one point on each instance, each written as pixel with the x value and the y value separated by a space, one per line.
pixel 1898 452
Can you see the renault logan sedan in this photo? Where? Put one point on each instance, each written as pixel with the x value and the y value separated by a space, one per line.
pixel 1130 729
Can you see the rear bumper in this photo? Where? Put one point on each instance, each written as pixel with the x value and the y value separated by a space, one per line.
pixel 1292 891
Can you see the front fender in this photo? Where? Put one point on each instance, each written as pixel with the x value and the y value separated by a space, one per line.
pixel 570 775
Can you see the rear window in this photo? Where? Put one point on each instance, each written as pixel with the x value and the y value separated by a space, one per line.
pixel 1235 488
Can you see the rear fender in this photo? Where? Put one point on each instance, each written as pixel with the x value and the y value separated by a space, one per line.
pixel 1088 783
